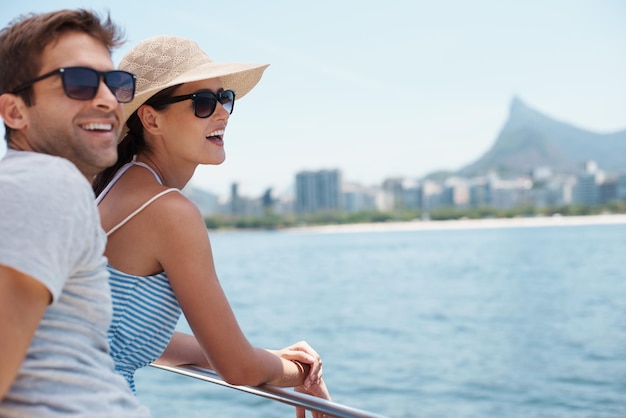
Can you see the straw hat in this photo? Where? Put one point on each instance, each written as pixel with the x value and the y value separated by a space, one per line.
pixel 165 61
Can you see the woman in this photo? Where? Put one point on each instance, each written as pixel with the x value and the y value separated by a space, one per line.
pixel 158 248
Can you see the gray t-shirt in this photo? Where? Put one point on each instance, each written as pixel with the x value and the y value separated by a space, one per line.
pixel 50 230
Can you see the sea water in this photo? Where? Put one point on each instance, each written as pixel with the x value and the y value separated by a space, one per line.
pixel 504 322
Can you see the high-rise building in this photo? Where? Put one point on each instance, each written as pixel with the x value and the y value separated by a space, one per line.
pixel 587 190
pixel 621 187
pixel 318 191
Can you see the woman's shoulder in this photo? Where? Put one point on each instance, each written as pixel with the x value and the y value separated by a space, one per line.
pixel 172 199
pixel 170 205
pixel 178 219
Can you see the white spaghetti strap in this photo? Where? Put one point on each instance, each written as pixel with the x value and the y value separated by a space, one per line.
pixel 142 207
pixel 123 169
pixel 114 180
pixel 144 165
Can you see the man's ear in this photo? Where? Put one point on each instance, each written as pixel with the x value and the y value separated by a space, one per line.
pixel 13 111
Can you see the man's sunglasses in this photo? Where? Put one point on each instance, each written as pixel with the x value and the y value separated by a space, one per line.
pixel 81 83
pixel 204 102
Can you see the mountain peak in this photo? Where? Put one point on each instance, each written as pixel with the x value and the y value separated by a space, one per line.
pixel 517 105
pixel 520 111
pixel 530 139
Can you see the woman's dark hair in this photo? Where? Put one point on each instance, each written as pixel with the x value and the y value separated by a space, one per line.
pixel 132 144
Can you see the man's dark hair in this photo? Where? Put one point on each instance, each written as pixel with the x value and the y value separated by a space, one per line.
pixel 23 41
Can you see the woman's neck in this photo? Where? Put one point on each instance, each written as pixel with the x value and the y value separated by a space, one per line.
pixel 170 175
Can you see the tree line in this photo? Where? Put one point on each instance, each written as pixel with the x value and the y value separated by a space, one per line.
pixel 273 221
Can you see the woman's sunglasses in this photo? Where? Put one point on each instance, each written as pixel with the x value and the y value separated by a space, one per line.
pixel 204 102
pixel 81 83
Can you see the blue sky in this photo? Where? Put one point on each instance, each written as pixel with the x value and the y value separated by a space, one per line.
pixel 383 89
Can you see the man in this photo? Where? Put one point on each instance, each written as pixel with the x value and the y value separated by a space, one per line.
pixel 60 103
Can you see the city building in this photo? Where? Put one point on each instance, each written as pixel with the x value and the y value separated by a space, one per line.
pixel 587 190
pixel 319 191
pixel 324 191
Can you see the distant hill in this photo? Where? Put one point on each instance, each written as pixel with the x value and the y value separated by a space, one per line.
pixel 530 139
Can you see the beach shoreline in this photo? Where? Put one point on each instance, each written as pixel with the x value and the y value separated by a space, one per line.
pixel 420 225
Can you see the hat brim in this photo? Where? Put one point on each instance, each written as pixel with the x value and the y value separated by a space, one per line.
pixel 240 77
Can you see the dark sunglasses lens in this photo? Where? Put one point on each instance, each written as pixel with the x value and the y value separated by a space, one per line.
pixel 205 102
pixel 204 106
pixel 80 83
pixel 227 99
pixel 83 83
pixel 121 84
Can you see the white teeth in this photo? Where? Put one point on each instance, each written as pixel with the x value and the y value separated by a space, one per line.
pixel 216 133
pixel 98 126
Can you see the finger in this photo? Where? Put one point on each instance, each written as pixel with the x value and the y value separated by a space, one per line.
pixel 315 364
pixel 300 412
pixel 315 361
pixel 315 374
pixel 320 390
pixel 304 346
pixel 300 356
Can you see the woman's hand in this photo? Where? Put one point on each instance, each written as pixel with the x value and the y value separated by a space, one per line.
pixel 318 389
pixel 304 353
pixel 313 384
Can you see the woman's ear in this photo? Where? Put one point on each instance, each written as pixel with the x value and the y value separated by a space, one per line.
pixel 149 118
pixel 13 111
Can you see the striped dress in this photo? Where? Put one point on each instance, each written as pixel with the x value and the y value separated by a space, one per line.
pixel 145 308
pixel 145 313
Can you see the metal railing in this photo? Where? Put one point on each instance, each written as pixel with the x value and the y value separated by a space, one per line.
pixel 290 397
